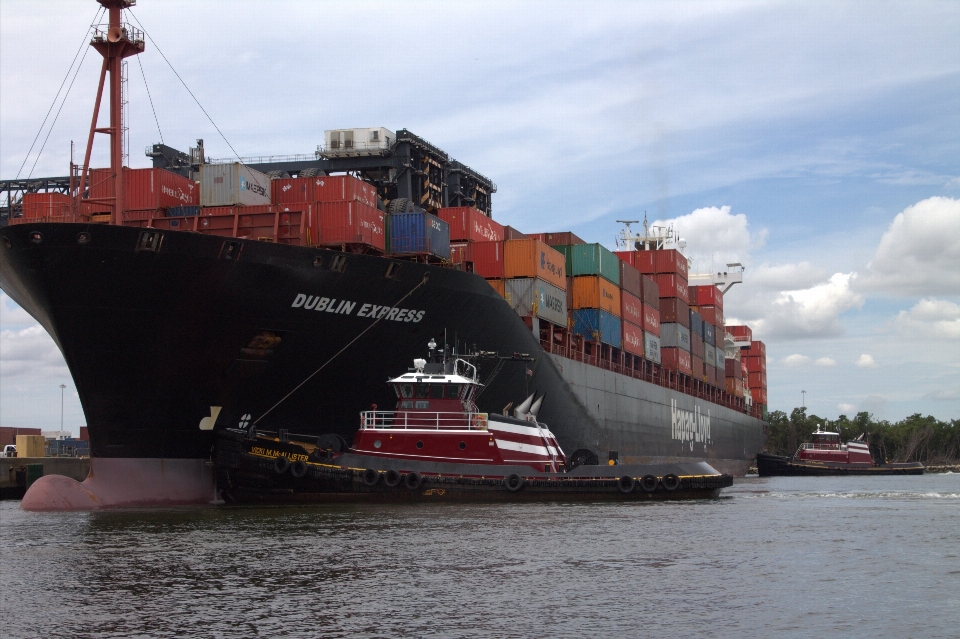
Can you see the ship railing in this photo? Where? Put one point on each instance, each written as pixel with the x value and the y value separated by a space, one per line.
pixel 423 420
pixel 655 374
pixel 808 446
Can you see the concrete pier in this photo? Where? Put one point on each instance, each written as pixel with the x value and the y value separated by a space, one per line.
pixel 13 483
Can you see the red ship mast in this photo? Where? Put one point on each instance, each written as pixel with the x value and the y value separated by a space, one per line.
pixel 114 41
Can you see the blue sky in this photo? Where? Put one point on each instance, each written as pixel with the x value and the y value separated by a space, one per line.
pixel 817 143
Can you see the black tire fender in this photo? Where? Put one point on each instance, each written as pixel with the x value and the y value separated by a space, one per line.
pixel 513 482
pixel 281 464
pixel 413 481
pixel 370 477
pixel 392 478
pixel 671 481
pixel 649 483
pixel 298 468
pixel 626 484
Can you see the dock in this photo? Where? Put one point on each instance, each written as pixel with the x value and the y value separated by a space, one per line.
pixel 14 475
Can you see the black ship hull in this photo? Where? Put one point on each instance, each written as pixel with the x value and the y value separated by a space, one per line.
pixel 160 336
pixel 779 465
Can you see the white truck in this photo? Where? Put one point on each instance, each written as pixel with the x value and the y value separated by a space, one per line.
pixel 9 451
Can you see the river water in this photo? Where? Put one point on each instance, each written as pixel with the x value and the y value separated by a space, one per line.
pixel 779 557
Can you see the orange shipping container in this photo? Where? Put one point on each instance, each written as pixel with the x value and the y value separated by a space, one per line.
pixel 498 287
pixel 593 291
pixel 533 258
pixel 40 205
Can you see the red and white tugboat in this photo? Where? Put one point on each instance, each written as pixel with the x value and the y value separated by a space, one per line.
pixel 827 456
pixel 436 445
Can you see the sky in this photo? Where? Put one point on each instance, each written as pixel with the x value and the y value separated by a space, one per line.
pixel 818 144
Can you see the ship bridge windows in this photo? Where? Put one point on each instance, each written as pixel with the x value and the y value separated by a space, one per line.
pixel 453 391
pixel 405 390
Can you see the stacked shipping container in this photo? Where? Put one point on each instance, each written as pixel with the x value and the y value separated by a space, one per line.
pixel 596 296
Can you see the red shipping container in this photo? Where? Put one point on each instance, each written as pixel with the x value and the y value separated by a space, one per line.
pixel 461 252
pixel 757 349
pixel 350 223
pixel 672 286
pixel 488 259
pixel 707 296
pixel 675 359
pixel 670 261
pixel 561 238
pixel 631 309
pixel 734 386
pixel 759 396
pixel 469 224
pixel 696 367
pixel 236 210
pixel 651 320
pixel 284 190
pixel 632 338
pixel 733 369
pixel 711 315
pixel 676 310
pixel 711 372
pixel 40 205
pixel 157 188
pixel 754 364
pixel 756 380
pixel 630 280
pixel 740 333
pixel 510 233
pixel 696 345
pixel 651 292
pixel 344 188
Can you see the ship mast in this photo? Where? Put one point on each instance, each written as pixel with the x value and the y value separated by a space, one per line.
pixel 114 41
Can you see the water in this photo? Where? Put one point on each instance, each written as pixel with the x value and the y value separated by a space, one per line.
pixel 784 557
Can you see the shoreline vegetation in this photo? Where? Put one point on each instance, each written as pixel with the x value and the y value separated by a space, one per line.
pixel 934 443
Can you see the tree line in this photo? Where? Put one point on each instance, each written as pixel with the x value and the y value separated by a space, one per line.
pixel 915 438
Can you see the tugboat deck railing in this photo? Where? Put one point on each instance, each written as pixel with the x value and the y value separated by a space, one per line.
pixel 420 420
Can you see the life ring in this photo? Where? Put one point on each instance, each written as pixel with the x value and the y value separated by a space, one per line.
pixel 413 481
pixel 671 482
pixel 626 484
pixel 392 478
pixel 649 483
pixel 513 482
pixel 370 477
pixel 479 422
pixel 281 464
pixel 298 468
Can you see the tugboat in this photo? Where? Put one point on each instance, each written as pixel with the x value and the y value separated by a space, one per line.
pixel 827 456
pixel 435 445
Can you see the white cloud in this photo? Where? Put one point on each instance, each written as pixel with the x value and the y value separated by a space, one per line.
pixel 786 276
pixel 715 237
pixel 11 315
pixel 943 395
pixel 805 313
pixel 795 360
pixel 30 351
pixel 866 361
pixel 826 361
pixel 920 252
pixel 846 408
pixel 930 319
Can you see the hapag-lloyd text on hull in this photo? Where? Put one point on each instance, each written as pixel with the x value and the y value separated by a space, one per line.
pixel 689 425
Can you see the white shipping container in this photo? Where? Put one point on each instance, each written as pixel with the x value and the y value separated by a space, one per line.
pixel 233 184
pixel 529 296
pixel 721 359
pixel 363 141
pixel 674 335
pixel 651 347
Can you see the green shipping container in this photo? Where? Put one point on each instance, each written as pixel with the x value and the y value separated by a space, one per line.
pixel 591 259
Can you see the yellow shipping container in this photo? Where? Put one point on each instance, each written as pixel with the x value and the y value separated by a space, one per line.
pixel 593 291
pixel 497 286
pixel 30 445
pixel 533 258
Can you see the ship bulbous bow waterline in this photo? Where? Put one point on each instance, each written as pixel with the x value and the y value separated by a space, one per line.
pixel 170 340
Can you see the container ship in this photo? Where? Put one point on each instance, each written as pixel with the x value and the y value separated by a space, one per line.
pixel 279 294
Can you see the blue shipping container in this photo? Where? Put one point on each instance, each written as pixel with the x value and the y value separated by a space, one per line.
pixel 708 334
pixel 419 233
pixel 696 323
pixel 593 323
pixel 183 211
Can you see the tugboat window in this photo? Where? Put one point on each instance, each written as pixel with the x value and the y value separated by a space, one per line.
pixel 406 390
pixel 436 391
pixel 453 391
pixel 423 391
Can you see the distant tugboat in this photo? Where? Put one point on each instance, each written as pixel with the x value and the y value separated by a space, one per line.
pixel 435 445
pixel 827 456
